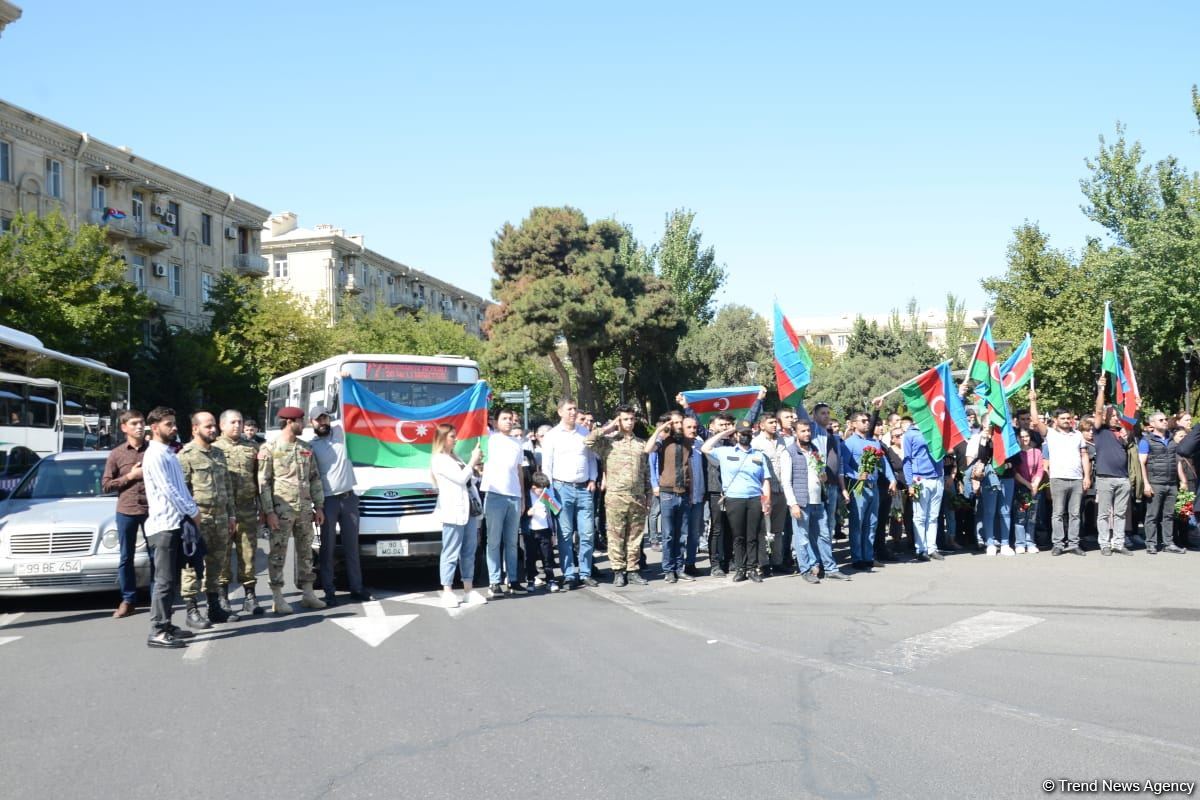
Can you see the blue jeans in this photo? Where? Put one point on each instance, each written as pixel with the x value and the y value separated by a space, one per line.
pixel 1025 522
pixel 503 515
pixel 127 531
pixel 864 508
pixel 695 523
pixel 995 508
pixel 576 516
pixel 813 541
pixel 676 509
pixel 925 515
pixel 458 550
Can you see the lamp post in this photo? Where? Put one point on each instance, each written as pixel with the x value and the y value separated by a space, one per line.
pixel 751 370
pixel 1188 350
pixel 621 373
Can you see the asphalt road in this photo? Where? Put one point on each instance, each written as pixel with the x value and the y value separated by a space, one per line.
pixel 973 677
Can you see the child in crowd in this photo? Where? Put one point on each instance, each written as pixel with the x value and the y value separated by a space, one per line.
pixel 539 536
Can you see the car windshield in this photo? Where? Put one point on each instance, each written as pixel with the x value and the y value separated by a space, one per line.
pixel 65 478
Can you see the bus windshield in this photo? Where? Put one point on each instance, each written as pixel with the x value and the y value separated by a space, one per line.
pixel 413 384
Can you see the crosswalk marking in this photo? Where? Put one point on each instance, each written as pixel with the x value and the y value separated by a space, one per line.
pixel 924 649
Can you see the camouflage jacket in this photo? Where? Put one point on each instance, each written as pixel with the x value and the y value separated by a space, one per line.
pixel 288 480
pixel 207 478
pixel 625 465
pixel 241 459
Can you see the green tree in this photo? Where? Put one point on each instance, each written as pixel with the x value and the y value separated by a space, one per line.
pixel 561 284
pixel 956 331
pixel 69 289
pixel 690 269
pixel 721 350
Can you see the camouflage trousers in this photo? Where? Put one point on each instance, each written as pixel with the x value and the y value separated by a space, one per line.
pixel 300 529
pixel 625 524
pixel 244 544
pixel 215 533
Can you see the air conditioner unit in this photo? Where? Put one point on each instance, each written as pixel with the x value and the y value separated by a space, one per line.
pixel 231 232
pixel 160 269
pixel 159 210
pixel 170 218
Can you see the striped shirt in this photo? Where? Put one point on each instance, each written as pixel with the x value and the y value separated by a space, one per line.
pixel 166 493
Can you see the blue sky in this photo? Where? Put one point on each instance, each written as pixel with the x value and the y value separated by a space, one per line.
pixel 887 151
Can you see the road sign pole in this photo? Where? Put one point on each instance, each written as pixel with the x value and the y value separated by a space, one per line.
pixel 525 403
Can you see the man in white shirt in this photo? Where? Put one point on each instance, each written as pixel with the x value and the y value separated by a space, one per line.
pixel 169 504
pixel 1070 476
pixel 572 471
pixel 503 481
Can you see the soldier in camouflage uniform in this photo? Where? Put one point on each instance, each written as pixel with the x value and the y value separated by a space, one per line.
pixel 207 479
pixel 627 489
pixel 241 456
pixel 290 495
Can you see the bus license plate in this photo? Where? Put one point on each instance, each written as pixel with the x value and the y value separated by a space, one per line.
pixel 50 568
pixel 392 547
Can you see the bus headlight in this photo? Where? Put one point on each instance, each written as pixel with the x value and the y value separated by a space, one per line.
pixel 110 541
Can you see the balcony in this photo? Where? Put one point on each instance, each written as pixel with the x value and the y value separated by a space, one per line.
pixel 251 264
pixel 350 285
pixel 125 227
pixel 163 298
pixel 152 235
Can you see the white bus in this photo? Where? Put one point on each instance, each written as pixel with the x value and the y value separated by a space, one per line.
pixel 396 525
pixel 52 401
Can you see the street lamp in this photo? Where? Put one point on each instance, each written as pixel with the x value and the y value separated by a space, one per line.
pixel 621 373
pixel 751 370
pixel 1189 350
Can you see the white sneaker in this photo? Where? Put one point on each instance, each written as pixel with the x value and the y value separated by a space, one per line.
pixel 1007 551
pixel 992 550
pixel 474 598
pixel 1032 549
pixel 539 582
pixel 450 599
pixel 554 587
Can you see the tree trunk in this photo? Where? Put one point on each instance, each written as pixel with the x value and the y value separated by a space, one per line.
pixel 582 358
pixel 563 376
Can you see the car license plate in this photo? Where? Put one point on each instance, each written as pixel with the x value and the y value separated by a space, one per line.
pixel 50 568
pixel 392 547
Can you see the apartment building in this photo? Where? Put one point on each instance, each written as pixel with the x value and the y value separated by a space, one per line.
pixel 175 233
pixel 323 263
pixel 8 14
pixel 834 332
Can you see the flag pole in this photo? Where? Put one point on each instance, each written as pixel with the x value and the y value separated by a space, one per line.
pixel 974 352
pixel 907 382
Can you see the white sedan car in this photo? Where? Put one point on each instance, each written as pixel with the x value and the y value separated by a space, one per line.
pixel 58 531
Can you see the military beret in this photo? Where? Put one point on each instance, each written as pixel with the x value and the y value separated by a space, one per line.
pixel 290 412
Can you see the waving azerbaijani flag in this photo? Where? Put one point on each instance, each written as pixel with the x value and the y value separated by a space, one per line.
pixel 1017 369
pixel 1128 396
pixel 735 400
pixel 548 500
pixel 937 410
pixel 384 434
pixel 1110 361
pixel 793 367
pixel 985 370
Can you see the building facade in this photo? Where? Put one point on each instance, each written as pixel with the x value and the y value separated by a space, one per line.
pixel 324 265
pixel 834 332
pixel 175 233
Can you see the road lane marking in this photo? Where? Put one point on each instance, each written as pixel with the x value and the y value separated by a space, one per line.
pixel 8 619
pixel 196 649
pixel 376 627
pixel 926 648
pixel 435 601
pixel 6 639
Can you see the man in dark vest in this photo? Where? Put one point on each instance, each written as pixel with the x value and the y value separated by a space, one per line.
pixel 1160 473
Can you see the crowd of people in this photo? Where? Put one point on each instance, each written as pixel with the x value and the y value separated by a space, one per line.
pixel 760 496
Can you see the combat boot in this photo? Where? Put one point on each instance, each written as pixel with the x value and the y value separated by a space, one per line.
pixel 194 618
pixel 250 606
pixel 216 613
pixel 282 606
pixel 223 600
pixel 309 599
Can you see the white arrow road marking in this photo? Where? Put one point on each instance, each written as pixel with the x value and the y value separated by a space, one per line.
pixel 376 626
pixel 435 601
pixel 8 619
pixel 918 651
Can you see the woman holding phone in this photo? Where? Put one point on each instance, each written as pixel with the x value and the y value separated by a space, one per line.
pixel 457 500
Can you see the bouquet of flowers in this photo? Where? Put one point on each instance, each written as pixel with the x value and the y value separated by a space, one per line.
pixel 1185 504
pixel 916 489
pixel 868 462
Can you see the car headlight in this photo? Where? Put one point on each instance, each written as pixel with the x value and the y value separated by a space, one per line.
pixel 110 540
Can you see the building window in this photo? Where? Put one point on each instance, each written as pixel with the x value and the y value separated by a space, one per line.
pixel 173 212
pixel 139 271
pixel 177 280
pixel 280 269
pixel 206 229
pixel 99 193
pixel 206 286
pixel 54 184
pixel 139 206
pixel 5 224
pixel 841 342
pixel 5 162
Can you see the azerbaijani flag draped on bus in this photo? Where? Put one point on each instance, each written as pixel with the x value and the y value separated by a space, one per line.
pixel 937 410
pixel 985 370
pixel 1017 369
pixel 735 400
pixel 793 367
pixel 384 434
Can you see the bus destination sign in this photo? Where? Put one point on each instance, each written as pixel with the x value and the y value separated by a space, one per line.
pixel 426 373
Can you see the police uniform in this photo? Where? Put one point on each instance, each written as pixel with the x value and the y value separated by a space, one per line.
pixel 743 473
pixel 289 486
pixel 627 484
pixel 241 458
pixel 207 478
